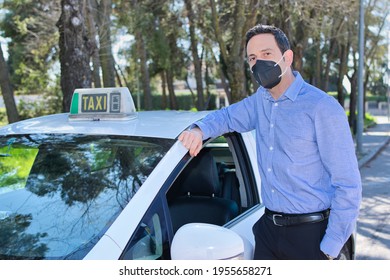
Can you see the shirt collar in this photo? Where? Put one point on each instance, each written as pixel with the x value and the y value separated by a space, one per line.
pixel 292 91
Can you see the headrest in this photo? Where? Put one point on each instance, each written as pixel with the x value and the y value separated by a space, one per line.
pixel 200 177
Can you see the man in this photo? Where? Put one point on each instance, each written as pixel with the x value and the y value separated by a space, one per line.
pixel 311 184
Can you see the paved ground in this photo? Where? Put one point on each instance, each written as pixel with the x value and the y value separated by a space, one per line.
pixel 374 139
pixel 373 231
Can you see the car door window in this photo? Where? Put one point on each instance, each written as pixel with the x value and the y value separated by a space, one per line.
pixel 150 240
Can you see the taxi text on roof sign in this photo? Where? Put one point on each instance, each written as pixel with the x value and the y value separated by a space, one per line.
pixel 102 104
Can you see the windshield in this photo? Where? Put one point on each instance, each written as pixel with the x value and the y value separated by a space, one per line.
pixel 59 193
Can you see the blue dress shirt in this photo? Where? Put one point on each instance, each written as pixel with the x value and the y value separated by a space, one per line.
pixel 305 154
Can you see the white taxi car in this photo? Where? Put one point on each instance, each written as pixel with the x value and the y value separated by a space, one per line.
pixel 107 182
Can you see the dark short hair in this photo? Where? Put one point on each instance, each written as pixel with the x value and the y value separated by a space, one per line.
pixel 280 38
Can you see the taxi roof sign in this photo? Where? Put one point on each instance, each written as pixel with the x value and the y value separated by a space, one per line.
pixel 102 104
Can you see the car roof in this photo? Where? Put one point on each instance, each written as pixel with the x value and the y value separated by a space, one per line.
pixel 160 124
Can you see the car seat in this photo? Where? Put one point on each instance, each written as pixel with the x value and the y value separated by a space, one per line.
pixel 196 195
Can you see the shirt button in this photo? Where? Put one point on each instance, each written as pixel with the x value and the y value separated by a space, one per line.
pixel 271 148
pixel 272 125
pixel 273 190
pixel 269 169
pixel 276 104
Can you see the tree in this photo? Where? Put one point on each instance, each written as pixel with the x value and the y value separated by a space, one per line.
pixel 105 46
pixel 6 90
pixel 344 46
pixel 169 37
pixel 376 20
pixel 32 48
pixel 165 50
pixel 98 14
pixel 195 56
pixel 91 8
pixel 17 242
pixel 74 50
pixel 229 31
pixel 138 24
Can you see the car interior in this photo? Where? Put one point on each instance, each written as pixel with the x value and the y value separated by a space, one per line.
pixel 207 190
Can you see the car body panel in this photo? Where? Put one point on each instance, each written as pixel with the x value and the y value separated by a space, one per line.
pixel 243 224
pixel 162 124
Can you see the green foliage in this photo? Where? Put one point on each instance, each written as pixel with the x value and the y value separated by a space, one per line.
pixel 34 41
pixel 3 117
pixel 369 97
pixel 369 120
pixel 376 98
pixel 48 103
pixel 313 27
pixel 185 102
pixel 16 166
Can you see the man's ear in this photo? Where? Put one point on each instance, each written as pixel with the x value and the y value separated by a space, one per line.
pixel 289 57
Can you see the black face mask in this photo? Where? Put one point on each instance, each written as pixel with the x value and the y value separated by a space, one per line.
pixel 267 73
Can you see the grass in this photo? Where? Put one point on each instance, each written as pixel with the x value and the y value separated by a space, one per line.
pixel 369 120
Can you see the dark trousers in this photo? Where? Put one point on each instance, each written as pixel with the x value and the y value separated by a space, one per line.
pixel 298 242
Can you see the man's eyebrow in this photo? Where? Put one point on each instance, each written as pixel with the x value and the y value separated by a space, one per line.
pixel 266 50
pixel 262 51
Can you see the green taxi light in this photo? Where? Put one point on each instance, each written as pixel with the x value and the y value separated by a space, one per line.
pixel 102 104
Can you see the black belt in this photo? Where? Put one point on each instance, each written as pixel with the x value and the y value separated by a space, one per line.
pixel 282 219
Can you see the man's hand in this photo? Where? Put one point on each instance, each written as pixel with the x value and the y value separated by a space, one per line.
pixel 192 140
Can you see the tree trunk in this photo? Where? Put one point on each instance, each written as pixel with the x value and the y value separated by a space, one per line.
pixel 329 59
pixel 207 79
pixel 193 98
pixel 171 90
pixel 299 38
pixel 337 27
pixel 105 50
pixel 318 63
pixel 234 55
pixel 196 60
pixel 74 50
pixel 118 77
pixel 6 90
pixel 365 83
pixel 352 102
pixel 121 76
pixel 164 90
pixel 342 72
pixel 92 22
pixel 222 77
pixel 145 78
pixel 298 45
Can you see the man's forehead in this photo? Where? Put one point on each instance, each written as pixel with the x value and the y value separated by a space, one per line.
pixel 267 40
pixel 261 42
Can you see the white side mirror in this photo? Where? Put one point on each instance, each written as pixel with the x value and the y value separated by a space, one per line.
pixel 198 241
